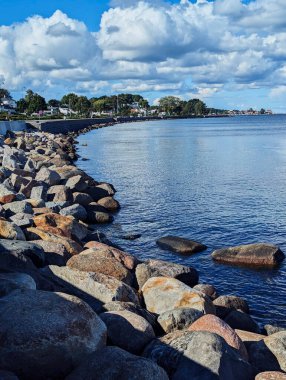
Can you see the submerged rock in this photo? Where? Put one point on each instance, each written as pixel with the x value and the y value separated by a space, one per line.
pixel 261 254
pixel 180 245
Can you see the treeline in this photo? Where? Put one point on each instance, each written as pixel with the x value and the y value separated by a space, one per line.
pixel 122 104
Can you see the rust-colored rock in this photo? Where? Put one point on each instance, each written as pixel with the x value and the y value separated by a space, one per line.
pixel 61 225
pixel 127 260
pixel 213 324
pixel 10 231
pixel 71 246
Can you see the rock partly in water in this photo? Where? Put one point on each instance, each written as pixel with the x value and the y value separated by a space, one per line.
pixel 164 293
pixel 239 320
pixel 44 335
pixel 128 330
pixel 272 329
pixel 225 304
pixel 113 363
pixel 198 355
pixel 261 254
pixel 180 245
pixel 208 290
pixel 159 268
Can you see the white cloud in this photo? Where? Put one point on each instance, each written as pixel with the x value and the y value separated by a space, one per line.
pixel 148 46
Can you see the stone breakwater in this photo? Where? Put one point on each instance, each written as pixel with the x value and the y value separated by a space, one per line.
pixel 74 307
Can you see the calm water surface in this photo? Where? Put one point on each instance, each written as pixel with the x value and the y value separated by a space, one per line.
pixel 219 181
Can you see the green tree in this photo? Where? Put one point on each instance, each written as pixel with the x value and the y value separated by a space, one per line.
pixel 194 107
pixel 83 105
pixel 22 105
pixel 69 100
pixel 4 93
pixel 54 103
pixel 262 111
pixel 170 104
pixel 35 102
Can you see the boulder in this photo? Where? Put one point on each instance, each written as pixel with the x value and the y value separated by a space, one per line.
pixel 7 375
pixel 12 281
pixel 82 198
pixel 198 355
pixel 59 193
pixel 10 231
pixel 242 321
pixel 159 268
pixel 113 363
pixel 128 330
pixel 208 290
pixel 55 253
pixel 269 354
pixel 107 187
pixel 225 304
pixel 22 220
pixel 180 245
pixel 213 324
pixel 164 293
pixel 97 193
pixel 98 216
pixel 109 203
pixel 272 329
pixel 94 288
pixel 249 337
pixel 61 225
pixel 76 210
pixel 7 195
pixel 37 192
pixel 261 255
pixel 101 261
pixel 50 177
pixel 71 246
pixel 18 250
pixel 271 375
pixel 76 183
pixel 133 308
pixel 178 319
pixel 44 335
pixel 18 207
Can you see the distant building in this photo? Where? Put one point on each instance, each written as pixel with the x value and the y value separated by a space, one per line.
pixel 8 104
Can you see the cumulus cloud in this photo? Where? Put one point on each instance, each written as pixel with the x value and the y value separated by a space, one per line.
pixel 145 46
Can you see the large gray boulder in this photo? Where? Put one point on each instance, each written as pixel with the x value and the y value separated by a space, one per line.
pixel 44 335
pixel 18 251
pixel 94 288
pixel 164 293
pixel 113 363
pixel 261 255
pixel 50 177
pixel 55 253
pixel 225 304
pixel 12 281
pixel 180 245
pixel 75 210
pixel 178 319
pixel 18 207
pixel 128 330
pixel 198 356
pixel 159 268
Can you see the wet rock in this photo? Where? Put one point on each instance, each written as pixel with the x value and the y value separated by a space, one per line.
pixel 7 194
pixel 178 319
pixel 133 308
pixel 131 236
pixel 204 355
pixel 225 304
pixel 71 246
pixel 269 354
pixel 12 281
pixel 213 324
pixel 109 203
pixel 207 289
pixel 128 330
pixel 242 321
pixel 61 225
pixel 261 254
pixel 125 366
pixel 82 199
pixel 96 193
pixel 50 177
pixel 94 288
pixel 180 245
pixel 163 293
pixel 101 261
pixel 40 331
pixel 271 375
pixel 76 210
pixel 55 253
pixel 10 231
pixel 159 268
pixel 97 214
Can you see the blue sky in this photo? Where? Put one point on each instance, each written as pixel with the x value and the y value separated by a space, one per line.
pixel 231 54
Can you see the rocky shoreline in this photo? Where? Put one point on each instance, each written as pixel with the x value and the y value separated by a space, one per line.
pixel 75 307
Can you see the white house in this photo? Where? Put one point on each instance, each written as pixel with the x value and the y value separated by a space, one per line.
pixel 8 105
